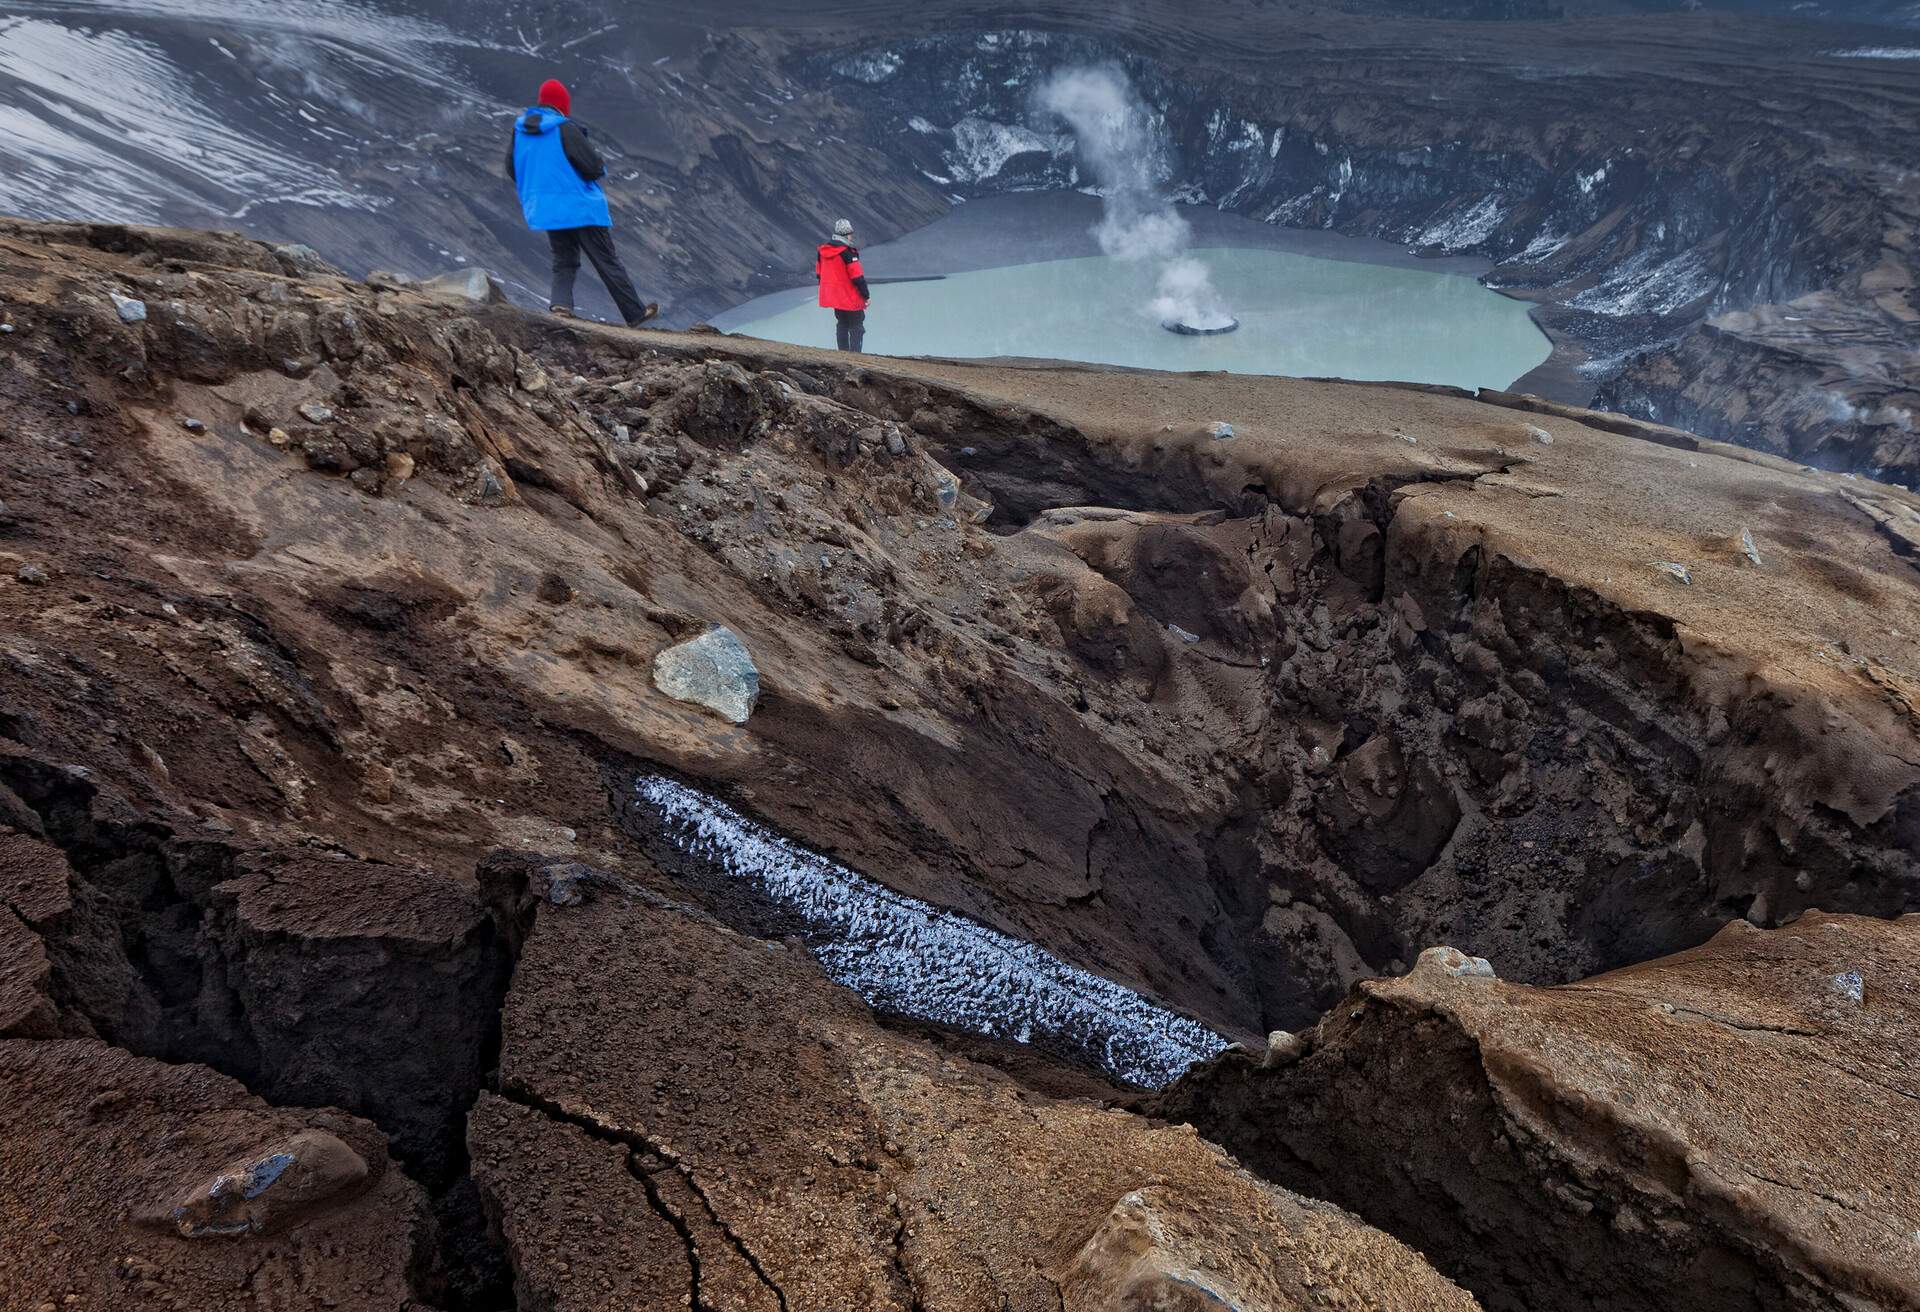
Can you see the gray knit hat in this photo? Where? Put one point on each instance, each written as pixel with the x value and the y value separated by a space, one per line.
pixel 843 230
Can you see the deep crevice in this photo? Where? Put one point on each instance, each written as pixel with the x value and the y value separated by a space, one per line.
pixel 639 1146
pixel 155 959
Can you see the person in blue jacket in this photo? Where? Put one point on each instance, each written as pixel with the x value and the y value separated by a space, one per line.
pixel 558 172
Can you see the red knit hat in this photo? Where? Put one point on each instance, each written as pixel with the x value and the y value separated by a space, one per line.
pixel 554 95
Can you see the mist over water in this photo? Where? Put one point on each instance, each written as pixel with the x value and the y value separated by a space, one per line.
pixel 1138 224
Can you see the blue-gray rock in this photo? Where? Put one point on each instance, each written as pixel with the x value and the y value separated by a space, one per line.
pixel 714 670
pixel 1453 964
pixel 129 309
pixel 946 488
pixel 304 261
pixel 1220 432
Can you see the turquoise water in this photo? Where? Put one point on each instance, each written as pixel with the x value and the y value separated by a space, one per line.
pixel 1299 315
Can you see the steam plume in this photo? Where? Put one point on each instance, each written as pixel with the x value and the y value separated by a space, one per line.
pixel 1137 224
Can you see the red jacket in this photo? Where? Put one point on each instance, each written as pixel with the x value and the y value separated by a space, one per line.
pixel 843 285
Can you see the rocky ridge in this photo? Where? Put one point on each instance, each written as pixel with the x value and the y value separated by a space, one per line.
pixel 323 595
pixel 1659 183
pixel 1720 1129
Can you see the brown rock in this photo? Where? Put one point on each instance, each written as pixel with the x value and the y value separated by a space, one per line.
pixel 93 1135
pixel 1717 1130
pixel 272 1188
pixel 26 977
pixel 643 1128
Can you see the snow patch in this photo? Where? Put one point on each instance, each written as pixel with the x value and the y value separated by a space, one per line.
pixel 910 958
pixel 1648 284
pixel 1542 246
pixel 1877 52
pixel 1467 228
pixel 873 68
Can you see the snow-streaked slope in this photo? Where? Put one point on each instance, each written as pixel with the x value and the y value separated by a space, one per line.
pixel 177 111
pixel 912 959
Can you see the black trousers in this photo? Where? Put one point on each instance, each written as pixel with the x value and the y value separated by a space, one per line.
pixel 597 243
pixel 850 329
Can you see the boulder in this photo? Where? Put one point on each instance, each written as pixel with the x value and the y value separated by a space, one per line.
pixel 714 670
pixel 270 1189
pixel 304 261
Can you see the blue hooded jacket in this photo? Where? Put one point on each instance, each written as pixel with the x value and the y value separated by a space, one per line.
pixel 552 173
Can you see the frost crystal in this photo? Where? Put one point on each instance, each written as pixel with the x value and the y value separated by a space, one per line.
pixel 910 958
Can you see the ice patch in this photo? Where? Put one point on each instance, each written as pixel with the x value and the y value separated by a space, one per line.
pixel 981 149
pixel 1877 52
pixel 1588 181
pixel 919 124
pixel 913 959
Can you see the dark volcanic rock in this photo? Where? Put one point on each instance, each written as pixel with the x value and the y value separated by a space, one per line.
pixel 1633 214
pixel 186 949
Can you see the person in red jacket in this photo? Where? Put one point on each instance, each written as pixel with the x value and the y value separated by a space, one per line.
pixel 843 287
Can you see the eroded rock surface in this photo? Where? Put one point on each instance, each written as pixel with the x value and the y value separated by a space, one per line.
pixel 1722 1129
pixel 709 1117
pixel 106 1180
pixel 1229 724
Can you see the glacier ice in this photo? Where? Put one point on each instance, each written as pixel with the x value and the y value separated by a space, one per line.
pixel 913 959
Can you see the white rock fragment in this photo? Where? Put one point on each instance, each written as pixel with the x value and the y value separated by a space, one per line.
pixel 1283 1049
pixel 474 286
pixel 1408 438
pixel 1850 985
pixel 912 959
pixel 1182 634
pixel 1676 569
pixel 714 670
pixel 1220 432
pixel 1748 547
pixel 1540 435
pixel 1454 964
pixel 128 308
